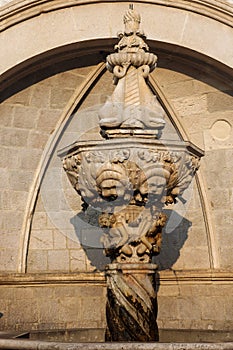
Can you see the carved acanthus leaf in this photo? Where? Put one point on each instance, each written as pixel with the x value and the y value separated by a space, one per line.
pixel 71 166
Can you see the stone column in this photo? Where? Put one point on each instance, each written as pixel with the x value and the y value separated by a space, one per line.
pixel 131 302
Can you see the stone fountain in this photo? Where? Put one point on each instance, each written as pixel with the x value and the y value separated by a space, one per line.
pixel 129 177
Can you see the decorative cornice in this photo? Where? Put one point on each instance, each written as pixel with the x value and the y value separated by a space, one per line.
pixel 51 278
pixel 195 277
pixel 167 277
pixel 21 10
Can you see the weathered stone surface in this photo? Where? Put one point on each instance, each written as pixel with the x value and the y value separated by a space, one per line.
pixel 65 304
pixel 220 101
pixel 13 137
pixel 26 344
pixel 22 97
pixel 129 178
pixel 47 119
pixel 58 260
pixel 37 139
pixel 179 80
pixel 9 259
pixel 7 112
pixel 43 240
pixel 37 260
pixel 59 98
pixel 59 240
pixel 25 118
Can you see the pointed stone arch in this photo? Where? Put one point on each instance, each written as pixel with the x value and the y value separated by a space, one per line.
pixel 176 121
pixel 216 17
pixel 204 285
pixel 45 159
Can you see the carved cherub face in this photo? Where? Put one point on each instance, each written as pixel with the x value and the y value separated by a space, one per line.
pixel 157 185
pixel 153 183
pixel 106 220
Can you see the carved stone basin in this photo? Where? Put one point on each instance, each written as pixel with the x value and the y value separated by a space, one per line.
pixel 126 171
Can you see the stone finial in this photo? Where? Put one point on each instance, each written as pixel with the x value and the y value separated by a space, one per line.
pixel 132 20
pixel 132 109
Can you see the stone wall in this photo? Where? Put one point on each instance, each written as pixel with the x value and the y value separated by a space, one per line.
pixel 52 302
pixel 191 300
pixel 197 249
pixel 28 119
pixel 204 105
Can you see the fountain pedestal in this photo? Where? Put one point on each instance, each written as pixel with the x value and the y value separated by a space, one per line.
pixel 128 178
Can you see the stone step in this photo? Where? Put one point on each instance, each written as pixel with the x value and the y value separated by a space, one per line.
pixel 13 334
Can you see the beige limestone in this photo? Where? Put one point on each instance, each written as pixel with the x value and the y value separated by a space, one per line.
pixel 24 135
pixel 34 344
pixel 183 28
pixel 201 98
pixel 65 304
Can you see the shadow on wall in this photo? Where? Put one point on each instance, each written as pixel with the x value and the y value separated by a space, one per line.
pixel 89 236
pixel 90 239
pixel 172 241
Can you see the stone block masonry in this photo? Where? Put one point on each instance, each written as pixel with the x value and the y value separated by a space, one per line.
pixel 46 302
pixel 28 118
pixel 193 300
